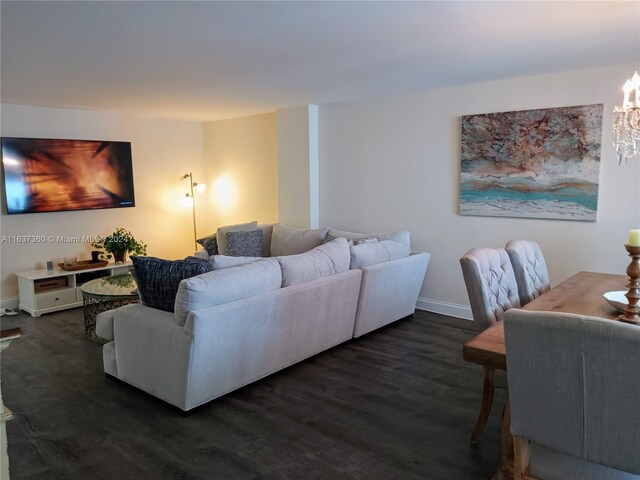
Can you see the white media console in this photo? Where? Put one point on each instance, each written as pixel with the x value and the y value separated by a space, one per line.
pixel 45 291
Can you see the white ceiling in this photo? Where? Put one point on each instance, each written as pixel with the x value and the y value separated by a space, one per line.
pixel 216 60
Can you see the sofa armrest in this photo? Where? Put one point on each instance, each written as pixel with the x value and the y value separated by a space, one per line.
pixel 152 352
pixel 389 291
pixel 104 325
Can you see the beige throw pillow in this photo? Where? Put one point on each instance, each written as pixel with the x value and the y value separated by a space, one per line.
pixel 291 240
pixel 226 285
pixel 327 259
pixel 377 252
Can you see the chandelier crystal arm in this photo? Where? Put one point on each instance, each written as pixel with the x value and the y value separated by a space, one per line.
pixel 626 121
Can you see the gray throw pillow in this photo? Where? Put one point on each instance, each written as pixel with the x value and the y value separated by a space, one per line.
pixel 210 244
pixel 240 227
pixel 244 244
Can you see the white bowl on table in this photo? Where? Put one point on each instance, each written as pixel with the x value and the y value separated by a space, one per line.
pixel 617 299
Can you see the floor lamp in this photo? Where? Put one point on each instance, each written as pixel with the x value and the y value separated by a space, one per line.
pixel 191 199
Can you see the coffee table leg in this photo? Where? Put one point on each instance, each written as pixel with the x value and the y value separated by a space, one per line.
pixel 94 306
pixel 91 310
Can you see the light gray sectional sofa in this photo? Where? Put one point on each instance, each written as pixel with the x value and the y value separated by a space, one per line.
pixel 234 325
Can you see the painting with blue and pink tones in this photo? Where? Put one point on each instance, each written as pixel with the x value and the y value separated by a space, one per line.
pixel 532 163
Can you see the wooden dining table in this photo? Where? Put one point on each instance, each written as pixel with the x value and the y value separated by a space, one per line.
pixel 580 294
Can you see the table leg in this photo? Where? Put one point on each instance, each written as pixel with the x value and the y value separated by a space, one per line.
pixel 91 310
pixel 505 470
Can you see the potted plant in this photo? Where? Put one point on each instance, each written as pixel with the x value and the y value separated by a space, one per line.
pixel 118 244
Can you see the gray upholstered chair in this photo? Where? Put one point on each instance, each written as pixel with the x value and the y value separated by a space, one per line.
pixel 574 392
pixel 492 290
pixel 530 269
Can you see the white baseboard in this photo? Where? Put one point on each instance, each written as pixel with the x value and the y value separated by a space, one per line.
pixel 444 308
pixel 11 302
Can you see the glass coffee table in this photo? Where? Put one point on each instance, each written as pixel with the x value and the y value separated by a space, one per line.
pixel 104 294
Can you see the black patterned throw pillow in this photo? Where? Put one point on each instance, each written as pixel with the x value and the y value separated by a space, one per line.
pixel 210 244
pixel 244 244
pixel 158 279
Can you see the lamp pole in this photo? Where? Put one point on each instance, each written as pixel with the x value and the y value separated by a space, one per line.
pixel 193 206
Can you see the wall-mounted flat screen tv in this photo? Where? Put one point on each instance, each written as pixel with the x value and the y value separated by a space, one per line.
pixel 49 175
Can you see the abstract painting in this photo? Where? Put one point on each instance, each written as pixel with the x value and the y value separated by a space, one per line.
pixel 532 163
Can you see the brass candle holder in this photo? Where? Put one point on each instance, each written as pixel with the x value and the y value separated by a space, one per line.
pixel 632 310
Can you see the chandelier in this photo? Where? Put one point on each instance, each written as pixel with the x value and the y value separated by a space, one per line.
pixel 626 121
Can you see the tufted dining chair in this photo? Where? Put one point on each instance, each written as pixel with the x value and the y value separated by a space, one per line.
pixel 530 269
pixel 492 289
pixel 573 390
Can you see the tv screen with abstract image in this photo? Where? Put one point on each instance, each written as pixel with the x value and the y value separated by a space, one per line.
pixel 50 175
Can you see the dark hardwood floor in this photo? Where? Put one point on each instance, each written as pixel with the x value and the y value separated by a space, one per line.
pixel 399 403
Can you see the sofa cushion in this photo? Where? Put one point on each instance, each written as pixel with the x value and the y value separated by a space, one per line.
pixel 158 279
pixel 353 236
pixel 216 262
pixel 328 237
pixel 327 259
pixel 402 236
pixel 267 230
pixel 209 243
pixel 377 252
pixel 226 285
pixel 291 240
pixel 222 233
pixel 244 244
pixel 366 240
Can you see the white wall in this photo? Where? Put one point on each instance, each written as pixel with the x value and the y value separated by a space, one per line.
pixel 384 164
pixel 394 163
pixel 162 150
pixel 241 158
pixel 298 174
